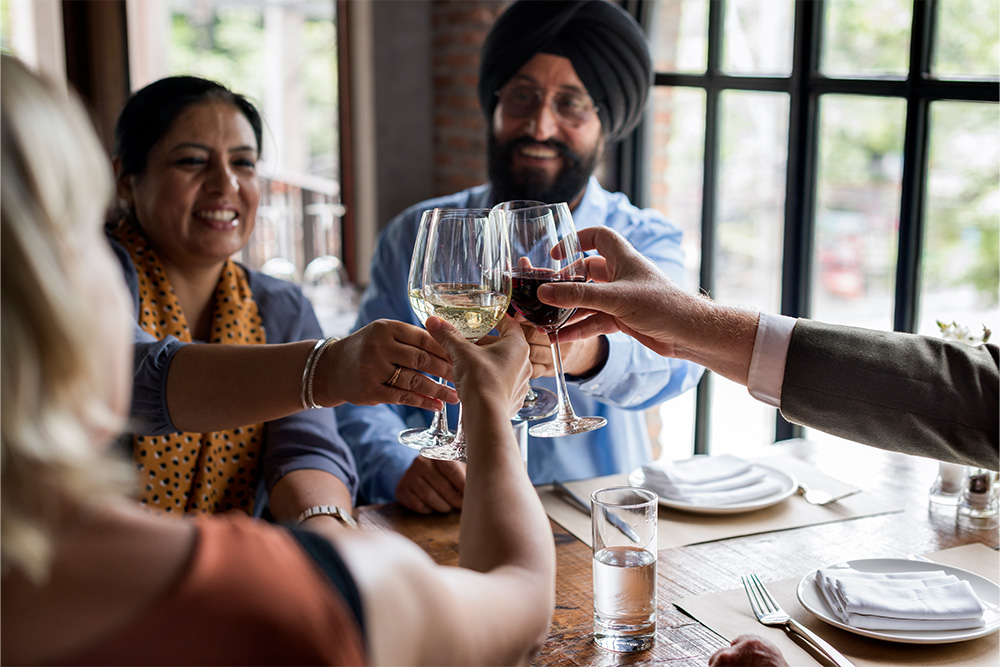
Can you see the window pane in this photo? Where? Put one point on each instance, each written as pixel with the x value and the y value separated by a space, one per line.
pixel 961 253
pixel 857 209
pixel 758 37
pixel 676 153
pixel 678 35
pixel 967 39
pixel 866 37
pixel 753 156
pixel 283 57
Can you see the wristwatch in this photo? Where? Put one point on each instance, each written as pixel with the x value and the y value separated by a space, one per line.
pixel 343 515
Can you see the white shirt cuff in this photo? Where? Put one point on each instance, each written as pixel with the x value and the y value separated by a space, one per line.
pixel 767 365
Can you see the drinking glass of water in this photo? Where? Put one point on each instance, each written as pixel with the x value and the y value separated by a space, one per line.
pixel 624 524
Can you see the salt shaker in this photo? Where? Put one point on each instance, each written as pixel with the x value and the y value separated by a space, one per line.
pixel 979 508
pixel 946 492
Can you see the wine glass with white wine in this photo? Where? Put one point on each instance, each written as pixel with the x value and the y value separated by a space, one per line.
pixel 438 432
pixel 467 283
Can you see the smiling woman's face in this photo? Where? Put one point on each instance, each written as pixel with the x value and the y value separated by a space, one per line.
pixel 197 198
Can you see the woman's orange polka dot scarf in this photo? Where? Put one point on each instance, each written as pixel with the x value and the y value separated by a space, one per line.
pixel 196 472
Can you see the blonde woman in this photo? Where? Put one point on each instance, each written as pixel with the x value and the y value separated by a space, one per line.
pixel 90 577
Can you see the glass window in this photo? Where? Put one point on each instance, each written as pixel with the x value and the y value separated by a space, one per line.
pixel 960 279
pixel 857 209
pixel 758 37
pixel 678 35
pixel 967 39
pixel 676 157
pixel 676 154
pixel 753 154
pixel 31 30
pixel 283 57
pixel 866 37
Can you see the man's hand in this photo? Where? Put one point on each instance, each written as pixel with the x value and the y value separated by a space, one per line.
pixel 581 357
pixel 429 486
pixel 748 651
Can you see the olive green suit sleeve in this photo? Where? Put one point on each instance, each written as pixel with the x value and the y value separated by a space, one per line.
pixel 907 393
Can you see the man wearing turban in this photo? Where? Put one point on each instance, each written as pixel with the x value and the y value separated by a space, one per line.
pixel 559 82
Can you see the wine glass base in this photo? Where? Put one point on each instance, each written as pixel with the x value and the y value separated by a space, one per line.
pixel 422 438
pixel 545 404
pixel 449 451
pixel 558 428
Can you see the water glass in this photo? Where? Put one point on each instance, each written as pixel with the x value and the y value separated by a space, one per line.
pixel 624 525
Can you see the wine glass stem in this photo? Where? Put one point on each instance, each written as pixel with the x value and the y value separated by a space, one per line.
pixel 459 438
pixel 531 396
pixel 565 409
pixel 439 423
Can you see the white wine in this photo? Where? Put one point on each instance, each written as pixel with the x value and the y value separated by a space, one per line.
pixel 419 305
pixel 471 309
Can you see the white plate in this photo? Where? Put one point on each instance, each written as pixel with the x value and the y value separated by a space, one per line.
pixel 812 599
pixel 788 486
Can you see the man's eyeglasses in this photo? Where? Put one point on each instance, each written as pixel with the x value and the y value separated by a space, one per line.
pixel 571 108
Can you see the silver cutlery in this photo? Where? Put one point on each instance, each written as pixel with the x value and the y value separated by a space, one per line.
pixel 579 502
pixel 818 497
pixel 769 612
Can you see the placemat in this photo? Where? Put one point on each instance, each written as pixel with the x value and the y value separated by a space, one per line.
pixel 676 528
pixel 728 613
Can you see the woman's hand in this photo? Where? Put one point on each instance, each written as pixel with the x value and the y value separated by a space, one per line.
pixel 361 368
pixel 492 375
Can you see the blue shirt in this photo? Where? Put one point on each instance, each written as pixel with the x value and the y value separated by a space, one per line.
pixel 632 379
pixel 305 440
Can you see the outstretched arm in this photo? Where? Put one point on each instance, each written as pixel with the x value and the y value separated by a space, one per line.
pixel 630 294
pixel 496 607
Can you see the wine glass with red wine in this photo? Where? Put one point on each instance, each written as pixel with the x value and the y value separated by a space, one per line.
pixel 545 249
pixel 539 403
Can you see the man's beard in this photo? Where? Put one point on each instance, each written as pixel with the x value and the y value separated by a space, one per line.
pixel 533 184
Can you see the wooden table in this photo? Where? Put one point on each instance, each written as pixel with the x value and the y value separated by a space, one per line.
pixel 717 566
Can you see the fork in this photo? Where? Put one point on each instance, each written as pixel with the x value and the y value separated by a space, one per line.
pixel 769 612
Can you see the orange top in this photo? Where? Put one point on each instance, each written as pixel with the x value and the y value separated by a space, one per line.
pixel 250 596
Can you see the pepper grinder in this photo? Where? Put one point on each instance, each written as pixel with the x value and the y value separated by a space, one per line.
pixel 946 492
pixel 979 508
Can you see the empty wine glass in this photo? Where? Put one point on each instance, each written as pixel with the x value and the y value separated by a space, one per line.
pixel 538 403
pixel 438 432
pixel 535 232
pixel 466 282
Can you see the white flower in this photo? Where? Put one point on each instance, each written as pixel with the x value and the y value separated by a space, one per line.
pixel 963 334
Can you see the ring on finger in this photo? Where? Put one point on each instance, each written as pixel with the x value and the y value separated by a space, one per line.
pixel 395 376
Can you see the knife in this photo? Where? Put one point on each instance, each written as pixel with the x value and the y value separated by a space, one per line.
pixel 578 501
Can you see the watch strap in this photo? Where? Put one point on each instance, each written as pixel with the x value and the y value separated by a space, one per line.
pixel 329 510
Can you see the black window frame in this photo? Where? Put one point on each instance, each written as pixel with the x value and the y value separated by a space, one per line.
pixel 804 86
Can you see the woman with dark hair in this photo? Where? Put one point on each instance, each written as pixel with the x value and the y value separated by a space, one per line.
pixel 91 578
pixel 213 421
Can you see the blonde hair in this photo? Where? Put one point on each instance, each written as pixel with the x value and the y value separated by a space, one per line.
pixel 56 182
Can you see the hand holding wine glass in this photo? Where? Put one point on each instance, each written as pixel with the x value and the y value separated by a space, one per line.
pixel 538 403
pixel 466 281
pixel 546 250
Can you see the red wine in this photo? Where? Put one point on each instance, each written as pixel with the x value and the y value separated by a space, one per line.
pixel 524 298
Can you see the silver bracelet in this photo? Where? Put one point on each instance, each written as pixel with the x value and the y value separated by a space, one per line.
pixel 309 373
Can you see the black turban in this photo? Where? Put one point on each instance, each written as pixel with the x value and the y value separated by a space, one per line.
pixel 604 43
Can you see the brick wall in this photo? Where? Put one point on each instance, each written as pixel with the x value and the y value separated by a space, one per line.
pixel 459 142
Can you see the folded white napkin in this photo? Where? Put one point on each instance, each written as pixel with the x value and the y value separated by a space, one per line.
pixel 928 600
pixel 710 480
